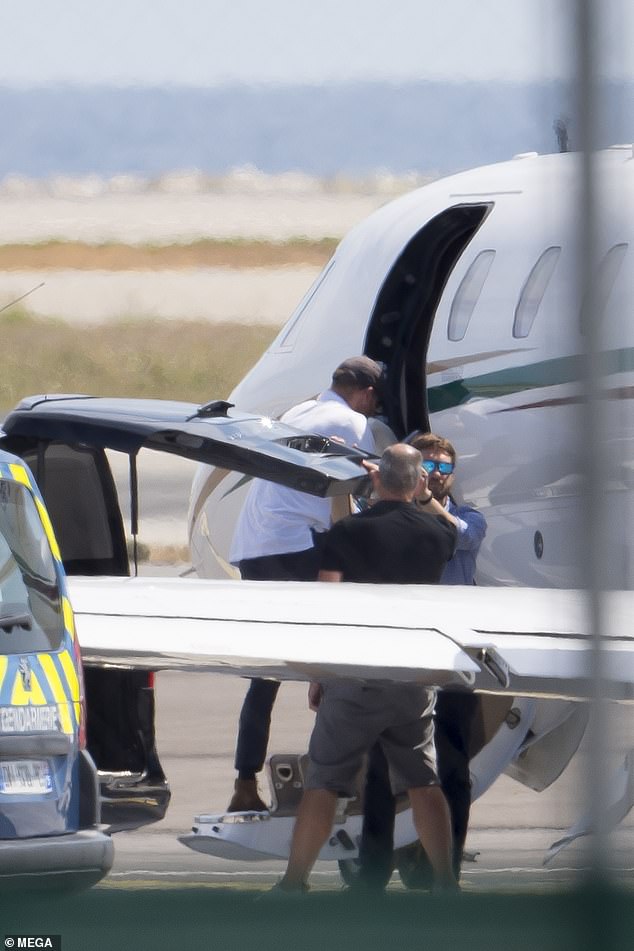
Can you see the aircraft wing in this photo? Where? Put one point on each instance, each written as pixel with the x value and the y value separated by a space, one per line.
pixel 520 641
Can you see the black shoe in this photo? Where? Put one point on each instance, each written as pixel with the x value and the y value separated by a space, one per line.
pixel 246 797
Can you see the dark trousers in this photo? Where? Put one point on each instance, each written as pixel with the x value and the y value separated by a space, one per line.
pixel 255 716
pixel 454 717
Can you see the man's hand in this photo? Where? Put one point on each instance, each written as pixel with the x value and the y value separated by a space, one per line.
pixel 314 696
pixel 331 576
pixel 423 491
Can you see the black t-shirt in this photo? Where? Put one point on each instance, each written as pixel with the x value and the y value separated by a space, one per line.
pixel 390 543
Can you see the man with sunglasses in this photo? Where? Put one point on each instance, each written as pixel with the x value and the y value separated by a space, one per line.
pixel 439 461
pixel 455 712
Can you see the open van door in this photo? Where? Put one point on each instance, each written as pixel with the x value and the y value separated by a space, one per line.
pixel 64 440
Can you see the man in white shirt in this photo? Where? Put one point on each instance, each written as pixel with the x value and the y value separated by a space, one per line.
pixel 278 534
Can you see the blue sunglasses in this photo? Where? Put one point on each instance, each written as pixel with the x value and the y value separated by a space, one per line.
pixel 445 468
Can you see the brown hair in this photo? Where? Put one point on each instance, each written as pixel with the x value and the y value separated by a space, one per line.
pixel 357 373
pixel 430 442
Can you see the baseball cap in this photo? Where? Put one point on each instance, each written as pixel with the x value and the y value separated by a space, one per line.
pixel 361 372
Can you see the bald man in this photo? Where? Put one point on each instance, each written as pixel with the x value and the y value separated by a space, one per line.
pixel 380 545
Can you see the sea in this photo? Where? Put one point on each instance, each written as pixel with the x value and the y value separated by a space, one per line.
pixel 324 130
pixel 164 165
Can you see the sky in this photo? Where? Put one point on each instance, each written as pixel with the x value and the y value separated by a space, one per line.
pixel 210 42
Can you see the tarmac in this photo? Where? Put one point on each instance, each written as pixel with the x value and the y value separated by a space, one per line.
pixel 510 831
pixel 511 826
pixel 161 895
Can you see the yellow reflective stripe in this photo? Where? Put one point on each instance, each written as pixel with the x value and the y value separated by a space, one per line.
pixel 69 617
pixel 22 698
pixel 4 663
pixel 71 674
pixel 58 692
pixel 48 528
pixel 19 473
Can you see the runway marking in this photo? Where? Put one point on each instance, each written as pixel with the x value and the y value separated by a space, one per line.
pixel 512 870
pixel 233 880
pixel 240 874
pixel 537 871
pixel 473 880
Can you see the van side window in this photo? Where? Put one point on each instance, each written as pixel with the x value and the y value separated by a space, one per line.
pixel 533 291
pixel 467 295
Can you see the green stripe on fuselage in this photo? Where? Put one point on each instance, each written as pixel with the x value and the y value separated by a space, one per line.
pixel 518 379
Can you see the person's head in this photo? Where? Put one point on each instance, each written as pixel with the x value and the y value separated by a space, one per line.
pixel 438 454
pixel 359 381
pixel 399 474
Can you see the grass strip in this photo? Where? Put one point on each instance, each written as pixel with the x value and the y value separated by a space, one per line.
pixel 156 359
pixel 115 256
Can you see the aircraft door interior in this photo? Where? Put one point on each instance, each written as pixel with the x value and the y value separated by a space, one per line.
pixel 400 326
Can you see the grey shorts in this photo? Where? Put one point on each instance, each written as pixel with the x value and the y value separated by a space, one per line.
pixel 352 717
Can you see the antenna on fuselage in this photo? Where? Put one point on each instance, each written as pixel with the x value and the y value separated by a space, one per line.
pixel 560 126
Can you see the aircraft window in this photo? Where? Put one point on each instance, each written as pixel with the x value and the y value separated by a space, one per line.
pixel 285 340
pixel 533 291
pixel 467 295
pixel 607 273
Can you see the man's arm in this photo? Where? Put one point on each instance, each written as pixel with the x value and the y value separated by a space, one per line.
pixel 433 507
pixel 427 503
pixel 472 528
pixel 333 568
pixel 335 576
pixel 315 692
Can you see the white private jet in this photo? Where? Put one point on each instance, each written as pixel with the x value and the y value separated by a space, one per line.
pixel 465 289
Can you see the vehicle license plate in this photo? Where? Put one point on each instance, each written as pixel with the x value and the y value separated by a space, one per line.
pixel 18 777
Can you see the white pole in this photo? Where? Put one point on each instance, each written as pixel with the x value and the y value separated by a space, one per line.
pixel 592 431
